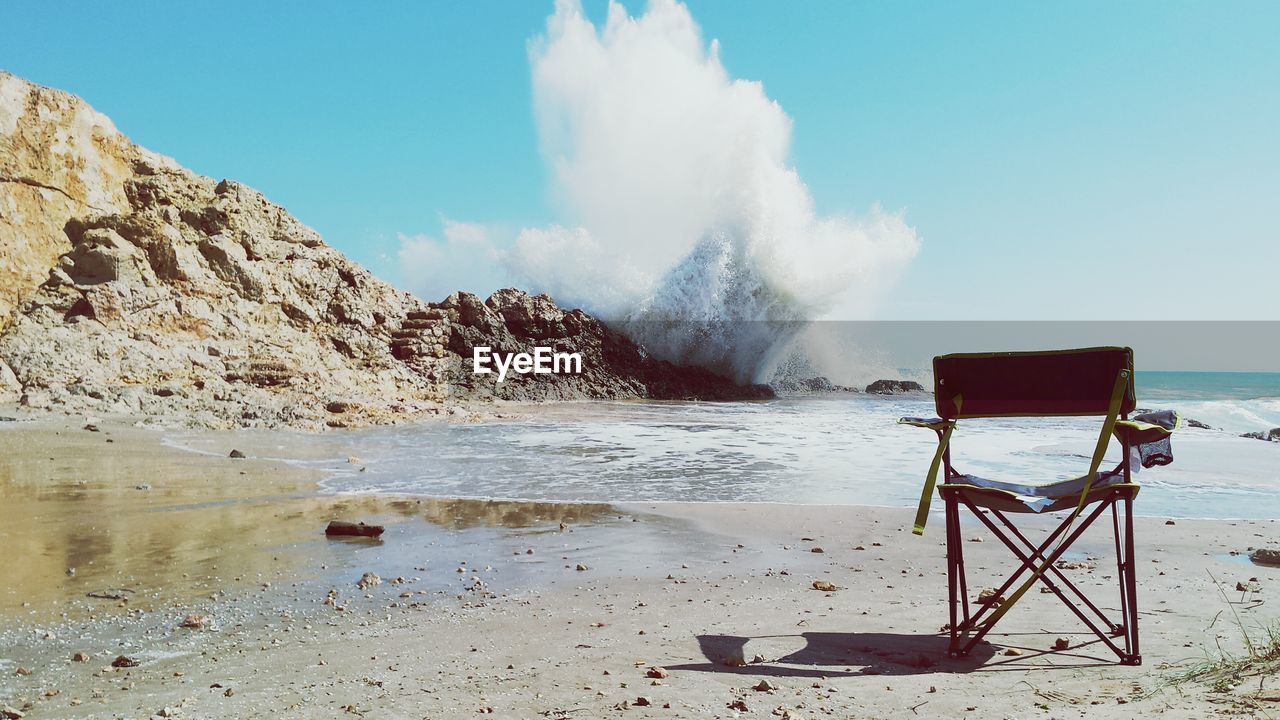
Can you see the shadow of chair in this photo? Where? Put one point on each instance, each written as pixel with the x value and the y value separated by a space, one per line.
pixel 833 654
pixel 869 653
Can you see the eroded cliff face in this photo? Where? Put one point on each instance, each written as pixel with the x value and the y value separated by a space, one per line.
pixel 134 286
pixel 59 159
pixel 205 300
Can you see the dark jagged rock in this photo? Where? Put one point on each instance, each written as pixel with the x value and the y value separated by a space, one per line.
pixel 1272 435
pixel 893 387
pixel 818 384
pixel 512 321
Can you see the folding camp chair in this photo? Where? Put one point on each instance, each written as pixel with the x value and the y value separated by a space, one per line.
pixel 1090 381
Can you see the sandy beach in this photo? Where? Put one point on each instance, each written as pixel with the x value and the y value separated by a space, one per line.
pixel 527 610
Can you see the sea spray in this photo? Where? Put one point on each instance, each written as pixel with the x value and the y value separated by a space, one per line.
pixel 690 229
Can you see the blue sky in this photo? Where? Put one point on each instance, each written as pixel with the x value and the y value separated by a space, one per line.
pixel 1075 160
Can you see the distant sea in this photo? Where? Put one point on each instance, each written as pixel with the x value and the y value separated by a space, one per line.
pixel 1234 401
pixel 838 448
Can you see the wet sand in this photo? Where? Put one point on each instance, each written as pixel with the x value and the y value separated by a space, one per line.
pixel 466 618
pixel 95 511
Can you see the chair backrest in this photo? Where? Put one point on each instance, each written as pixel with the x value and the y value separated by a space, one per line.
pixel 1020 384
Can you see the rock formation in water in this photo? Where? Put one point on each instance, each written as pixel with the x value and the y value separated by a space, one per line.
pixel 134 286
pixel 1272 435
pixel 893 387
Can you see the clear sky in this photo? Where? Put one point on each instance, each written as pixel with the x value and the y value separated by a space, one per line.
pixel 1075 160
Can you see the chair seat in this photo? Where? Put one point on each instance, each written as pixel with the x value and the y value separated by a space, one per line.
pixel 1032 498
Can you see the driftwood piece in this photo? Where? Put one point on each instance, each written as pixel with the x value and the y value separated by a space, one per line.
pixel 338 527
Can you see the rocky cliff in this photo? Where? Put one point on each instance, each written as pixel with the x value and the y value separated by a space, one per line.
pixel 134 286
pixel 59 159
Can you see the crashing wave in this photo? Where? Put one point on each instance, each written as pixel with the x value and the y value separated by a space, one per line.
pixel 690 228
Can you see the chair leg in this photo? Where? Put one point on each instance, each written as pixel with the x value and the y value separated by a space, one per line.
pixel 955 565
pixel 1118 532
pixel 1130 578
pixel 1127 571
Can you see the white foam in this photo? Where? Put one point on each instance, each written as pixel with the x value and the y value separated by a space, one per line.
pixel 840 449
pixel 689 224
pixel 1234 416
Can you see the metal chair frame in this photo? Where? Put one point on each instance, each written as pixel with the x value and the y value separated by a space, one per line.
pixel 968 628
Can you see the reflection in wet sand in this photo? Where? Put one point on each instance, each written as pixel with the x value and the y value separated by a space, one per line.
pixel 88 526
pixel 79 515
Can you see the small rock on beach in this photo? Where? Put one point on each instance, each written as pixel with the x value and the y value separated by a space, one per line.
pixel 1266 556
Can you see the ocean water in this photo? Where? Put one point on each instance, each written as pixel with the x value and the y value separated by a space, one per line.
pixel 1235 402
pixel 821 449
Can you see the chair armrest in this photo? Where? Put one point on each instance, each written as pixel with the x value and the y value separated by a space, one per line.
pixel 931 423
pixel 1133 432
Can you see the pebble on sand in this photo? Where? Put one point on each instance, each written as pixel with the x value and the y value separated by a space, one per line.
pixel 195 621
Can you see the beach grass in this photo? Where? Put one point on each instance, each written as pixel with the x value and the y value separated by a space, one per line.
pixel 1223 671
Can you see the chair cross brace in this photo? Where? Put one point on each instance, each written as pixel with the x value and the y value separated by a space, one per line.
pixel 962 622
